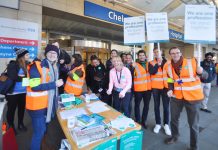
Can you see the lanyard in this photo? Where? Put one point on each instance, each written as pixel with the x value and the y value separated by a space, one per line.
pixel 118 79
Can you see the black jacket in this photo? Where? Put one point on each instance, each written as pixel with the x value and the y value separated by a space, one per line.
pixel 65 56
pixel 153 69
pixel 91 73
pixel 210 68
pixel 12 72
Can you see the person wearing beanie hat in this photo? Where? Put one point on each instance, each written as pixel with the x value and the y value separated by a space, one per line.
pixel 20 52
pixel 210 69
pixel 44 80
pixel 16 96
pixel 52 48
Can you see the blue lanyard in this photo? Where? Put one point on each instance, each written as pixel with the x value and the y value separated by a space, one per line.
pixel 118 79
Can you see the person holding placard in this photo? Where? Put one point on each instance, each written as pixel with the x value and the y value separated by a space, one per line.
pixel 142 87
pixel 185 91
pixel 16 97
pixel 120 83
pixel 159 90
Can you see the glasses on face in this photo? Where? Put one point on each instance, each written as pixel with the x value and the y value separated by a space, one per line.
pixel 52 53
pixel 175 53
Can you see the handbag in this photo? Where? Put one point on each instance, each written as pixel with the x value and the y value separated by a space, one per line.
pixel 5 83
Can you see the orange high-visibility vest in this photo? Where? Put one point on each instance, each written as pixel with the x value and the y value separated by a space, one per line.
pixel 157 80
pixel 75 87
pixel 142 80
pixel 36 100
pixel 217 68
pixel 190 84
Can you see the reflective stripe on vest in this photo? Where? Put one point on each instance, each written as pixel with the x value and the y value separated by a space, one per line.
pixel 141 82
pixel 37 94
pixel 188 88
pixel 158 79
pixel 74 85
pixel 192 78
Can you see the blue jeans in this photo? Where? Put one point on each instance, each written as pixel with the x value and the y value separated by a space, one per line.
pixel 39 127
pixel 122 104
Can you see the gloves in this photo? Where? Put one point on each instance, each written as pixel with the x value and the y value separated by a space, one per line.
pixel 170 93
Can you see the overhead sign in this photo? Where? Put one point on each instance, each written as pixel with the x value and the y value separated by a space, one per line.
pixel 103 13
pixel 18 34
pixel 200 24
pixel 157 27
pixel 134 30
pixel 176 35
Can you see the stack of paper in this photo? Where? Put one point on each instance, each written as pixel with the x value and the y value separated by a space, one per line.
pixel 97 107
pixel 122 123
pixel 72 113
pixel 91 96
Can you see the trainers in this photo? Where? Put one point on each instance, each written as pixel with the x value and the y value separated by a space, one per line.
pixel 167 130
pixel 157 128
pixel 206 110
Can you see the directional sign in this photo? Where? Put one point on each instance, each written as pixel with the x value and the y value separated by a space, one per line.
pixel 18 34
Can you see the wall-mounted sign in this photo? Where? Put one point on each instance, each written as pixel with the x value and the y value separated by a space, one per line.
pixel 18 34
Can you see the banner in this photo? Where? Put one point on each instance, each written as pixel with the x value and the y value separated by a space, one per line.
pixel 18 34
pixel 108 145
pixel 157 27
pixel 200 24
pixel 131 140
pixel 134 30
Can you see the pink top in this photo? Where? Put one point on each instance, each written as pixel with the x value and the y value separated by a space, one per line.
pixel 123 81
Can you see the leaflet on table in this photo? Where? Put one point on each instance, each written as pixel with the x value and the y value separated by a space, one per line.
pixel 122 123
pixel 90 97
pixel 65 114
pixel 97 107
pixel 84 136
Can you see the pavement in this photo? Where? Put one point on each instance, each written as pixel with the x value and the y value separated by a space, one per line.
pixel 151 141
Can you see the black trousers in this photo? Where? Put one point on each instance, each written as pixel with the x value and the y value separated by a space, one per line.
pixel 146 96
pixel 14 101
pixel 157 94
pixel 192 110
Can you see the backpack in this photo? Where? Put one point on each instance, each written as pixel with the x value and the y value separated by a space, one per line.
pixel 5 83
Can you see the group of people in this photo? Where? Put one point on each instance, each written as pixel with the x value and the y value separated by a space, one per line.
pixel 177 82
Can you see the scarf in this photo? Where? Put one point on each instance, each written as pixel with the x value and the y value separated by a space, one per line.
pixel 143 63
pixel 52 94
pixel 177 66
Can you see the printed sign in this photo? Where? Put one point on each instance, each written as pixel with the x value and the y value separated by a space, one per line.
pixel 200 24
pixel 18 34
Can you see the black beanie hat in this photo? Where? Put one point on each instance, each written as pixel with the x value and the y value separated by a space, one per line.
pixel 50 47
pixel 20 52
pixel 208 54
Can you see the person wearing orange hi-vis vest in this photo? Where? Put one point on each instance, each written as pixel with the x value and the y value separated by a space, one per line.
pixel 42 93
pixel 185 91
pixel 142 87
pixel 155 69
pixel 76 77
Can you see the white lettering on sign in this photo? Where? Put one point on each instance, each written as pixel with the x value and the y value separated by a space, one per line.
pixel 112 15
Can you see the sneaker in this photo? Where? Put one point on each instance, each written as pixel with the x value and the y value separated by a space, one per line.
pixel 157 128
pixel 167 130
pixel 206 110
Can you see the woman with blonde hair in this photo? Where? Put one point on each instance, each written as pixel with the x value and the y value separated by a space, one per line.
pixel 120 85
